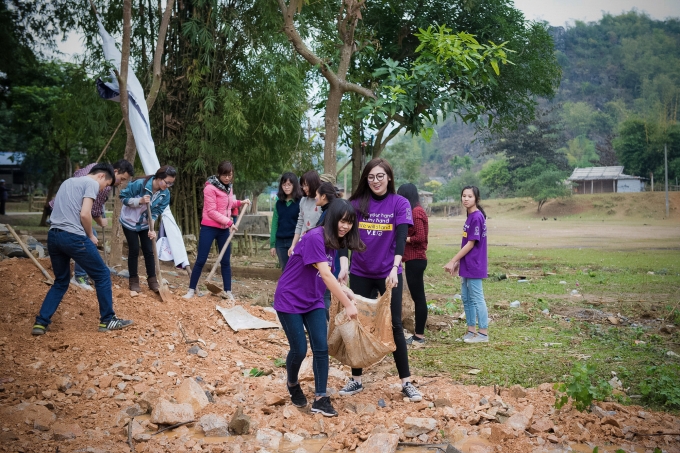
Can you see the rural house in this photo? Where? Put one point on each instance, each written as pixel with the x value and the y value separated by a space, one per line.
pixel 605 180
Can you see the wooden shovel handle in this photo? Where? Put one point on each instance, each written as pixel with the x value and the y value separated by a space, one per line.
pixel 28 253
pixel 226 244
pixel 155 252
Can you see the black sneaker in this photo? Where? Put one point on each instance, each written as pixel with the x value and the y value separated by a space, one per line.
pixel 411 393
pixel 323 406
pixel 351 388
pixel 114 324
pixel 413 339
pixel 38 329
pixel 297 396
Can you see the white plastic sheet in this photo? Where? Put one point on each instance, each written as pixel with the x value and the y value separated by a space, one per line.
pixel 239 319
pixel 139 122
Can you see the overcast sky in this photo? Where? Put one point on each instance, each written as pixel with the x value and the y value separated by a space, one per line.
pixel 556 12
pixel 560 12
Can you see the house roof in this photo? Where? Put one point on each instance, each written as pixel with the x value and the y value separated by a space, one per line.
pixel 587 174
pixel 11 158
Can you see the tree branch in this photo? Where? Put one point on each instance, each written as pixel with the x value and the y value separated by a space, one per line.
pixel 158 55
pixel 295 39
pixel 358 89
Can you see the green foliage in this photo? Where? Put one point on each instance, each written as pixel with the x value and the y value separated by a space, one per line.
pixel 640 147
pixel 580 389
pixel 453 188
pixel 581 152
pixel 279 363
pixel 448 76
pixel 255 372
pixel 495 175
pixel 543 182
pixel 661 385
pixel 406 160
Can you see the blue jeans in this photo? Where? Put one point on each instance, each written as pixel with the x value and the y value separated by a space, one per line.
pixel 294 325
pixel 63 247
pixel 79 271
pixel 205 241
pixel 473 302
pixel 282 246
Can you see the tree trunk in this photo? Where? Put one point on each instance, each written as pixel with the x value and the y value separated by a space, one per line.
pixel 51 191
pixel 253 206
pixel 130 149
pixel 332 123
pixel 116 256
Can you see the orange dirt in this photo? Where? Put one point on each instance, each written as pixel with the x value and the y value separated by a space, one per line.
pixel 86 378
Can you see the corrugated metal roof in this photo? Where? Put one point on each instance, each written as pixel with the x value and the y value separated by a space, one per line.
pixel 587 174
pixel 11 158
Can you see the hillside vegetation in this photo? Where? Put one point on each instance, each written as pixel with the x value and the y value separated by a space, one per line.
pixel 645 206
pixel 617 104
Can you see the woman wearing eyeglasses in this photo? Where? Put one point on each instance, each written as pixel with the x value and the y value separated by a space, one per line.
pixel 216 224
pixel 140 192
pixel 383 218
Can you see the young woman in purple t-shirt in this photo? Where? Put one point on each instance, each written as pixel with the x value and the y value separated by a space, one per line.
pixel 384 218
pixel 471 264
pixel 299 303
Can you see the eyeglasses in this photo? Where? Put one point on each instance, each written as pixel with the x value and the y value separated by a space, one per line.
pixel 287 184
pixel 167 184
pixel 377 176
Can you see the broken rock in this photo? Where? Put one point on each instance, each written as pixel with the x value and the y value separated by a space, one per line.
pixel 214 425
pixel 414 427
pixel 167 413
pixel 240 422
pixel 542 425
pixel 520 421
pixel 66 431
pixel 380 443
pixel 268 438
pixel 191 393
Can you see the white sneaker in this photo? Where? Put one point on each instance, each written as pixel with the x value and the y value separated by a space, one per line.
pixel 82 283
pixel 230 296
pixel 189 294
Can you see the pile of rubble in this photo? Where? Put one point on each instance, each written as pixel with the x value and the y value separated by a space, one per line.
pixel 75 389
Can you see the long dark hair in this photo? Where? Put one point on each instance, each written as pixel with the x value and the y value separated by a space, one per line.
pixel 161 173
pixel 311 178
pixel 225 168
pixel 478 198
pixel 342 210
pixel 363 192
pixel 410 192
pixel 329 190
pixel 296 194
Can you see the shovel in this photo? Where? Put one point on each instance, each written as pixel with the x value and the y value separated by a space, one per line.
pixel 163 290
pixel 213 288
pixel 50 280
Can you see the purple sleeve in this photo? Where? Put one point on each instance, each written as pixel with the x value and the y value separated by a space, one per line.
pixel 403 212
pixel 314 250
pixel 475 231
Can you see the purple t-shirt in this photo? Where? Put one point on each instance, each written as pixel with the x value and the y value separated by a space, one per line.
pixel 300 288
pixel 379 233
pixel 474 264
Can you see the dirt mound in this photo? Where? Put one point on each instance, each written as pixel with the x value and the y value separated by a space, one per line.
pixel 75 389
pixel 644 205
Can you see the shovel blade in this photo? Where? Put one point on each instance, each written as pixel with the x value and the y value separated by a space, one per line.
pixel 165 293
pixel 213 288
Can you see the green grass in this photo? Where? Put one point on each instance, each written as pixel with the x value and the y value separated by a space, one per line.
pixel 611 281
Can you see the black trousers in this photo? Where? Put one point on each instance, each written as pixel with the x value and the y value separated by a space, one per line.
pixel 133 239
pixel 415 273
pixel 369 287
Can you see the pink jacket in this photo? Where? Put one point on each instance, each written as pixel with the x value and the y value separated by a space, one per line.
pixel 217 207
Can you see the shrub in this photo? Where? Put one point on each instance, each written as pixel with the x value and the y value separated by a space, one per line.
pixel 580 389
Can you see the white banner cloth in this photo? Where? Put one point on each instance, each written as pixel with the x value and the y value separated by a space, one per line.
pixel 139 122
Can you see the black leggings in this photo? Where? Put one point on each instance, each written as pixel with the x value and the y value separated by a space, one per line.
pixel 415 272
pixel 133 239
pixel 369 287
